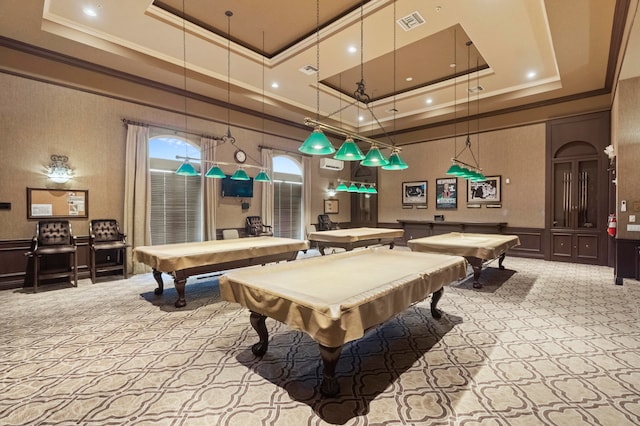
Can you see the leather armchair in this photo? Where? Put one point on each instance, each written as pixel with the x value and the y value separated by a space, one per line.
pixel 105 235
pixel 325 223
pixel 255 227
pixel 53 238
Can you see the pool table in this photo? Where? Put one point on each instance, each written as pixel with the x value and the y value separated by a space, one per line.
pixel 336 299
pixel 478 249
pixel 188 259
pixel 351 238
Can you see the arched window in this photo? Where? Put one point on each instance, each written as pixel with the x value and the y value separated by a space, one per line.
pixel 176 201
pixel 287 197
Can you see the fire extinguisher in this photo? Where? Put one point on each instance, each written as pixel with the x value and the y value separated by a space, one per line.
pixel 612 225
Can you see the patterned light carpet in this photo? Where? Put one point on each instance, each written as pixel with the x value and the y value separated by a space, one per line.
pixel 541 343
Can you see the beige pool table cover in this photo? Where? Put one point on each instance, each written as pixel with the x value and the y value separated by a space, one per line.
pixel 351 235
pixel 175 257
pixel 335 299
pixel 483 246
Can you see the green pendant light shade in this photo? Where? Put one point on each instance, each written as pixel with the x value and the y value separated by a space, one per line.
pixel 362 189
pixel 395 162
pixel 240 174
pixel 349 151
pixel 372 190
pixel 342 187
pixel 454 170
pixel 352 188
pixel 187 169
pixel 374 158
pixel 317 144
pixel 262 177
pixel 215 172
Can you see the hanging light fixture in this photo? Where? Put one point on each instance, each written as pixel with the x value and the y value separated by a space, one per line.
pixel 355 186
pixel 186 169
pixel 215 172
pixel 240 174
pixel 317 143
pixel 262 177
pixel 395 161
pixel 349 151
pixel 374 158
pixel 342 187
pixel 459 168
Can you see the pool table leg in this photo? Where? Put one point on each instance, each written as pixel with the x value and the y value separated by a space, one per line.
pixel 476 264
pixel 180 285
pixel 501 259
pixel 435 298
pixel 157 275
pixel 258 324
pixel 330 356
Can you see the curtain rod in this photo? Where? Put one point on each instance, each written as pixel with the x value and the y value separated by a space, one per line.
pixel 139 123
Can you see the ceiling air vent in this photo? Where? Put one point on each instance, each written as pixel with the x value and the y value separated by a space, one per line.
pixel 309 69
pixel 475 89
pixel 411 21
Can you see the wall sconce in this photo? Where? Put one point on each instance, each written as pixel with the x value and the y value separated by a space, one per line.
pixel 331 190
pixel 59 171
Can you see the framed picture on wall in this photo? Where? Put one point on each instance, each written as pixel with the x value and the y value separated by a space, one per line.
pixel 488 191
pixel 331 206
pixel 414 192
pixel 447 193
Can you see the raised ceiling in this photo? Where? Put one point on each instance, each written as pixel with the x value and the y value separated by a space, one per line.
pixel 523 54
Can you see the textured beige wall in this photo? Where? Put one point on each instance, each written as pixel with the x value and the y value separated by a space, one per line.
pixel 626 122
pixel 516 154
pixel 39 119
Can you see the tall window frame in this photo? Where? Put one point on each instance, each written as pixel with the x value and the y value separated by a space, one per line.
pixel 176 201
pixel 288 207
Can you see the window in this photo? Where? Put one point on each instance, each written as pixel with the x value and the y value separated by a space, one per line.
pixel 287 198
pixel 176 201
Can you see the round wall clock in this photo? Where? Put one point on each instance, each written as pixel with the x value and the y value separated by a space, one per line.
pixel 240 156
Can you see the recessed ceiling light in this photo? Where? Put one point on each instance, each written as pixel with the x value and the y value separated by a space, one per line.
pixel 275 85
pixel 89 11
pixel 409 78
pixel 531 74
pixel 352 49
pixel 360 118
pixel 429 101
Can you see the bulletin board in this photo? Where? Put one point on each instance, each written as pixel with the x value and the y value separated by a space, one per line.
pixel 43 203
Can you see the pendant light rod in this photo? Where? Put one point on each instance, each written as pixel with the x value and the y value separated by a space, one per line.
pixel 338 131
pixel 462 163
pixel 224 163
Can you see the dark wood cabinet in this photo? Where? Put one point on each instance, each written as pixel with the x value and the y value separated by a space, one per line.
pixel 577 189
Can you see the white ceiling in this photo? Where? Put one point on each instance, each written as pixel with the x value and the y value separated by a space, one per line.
pixel 567 43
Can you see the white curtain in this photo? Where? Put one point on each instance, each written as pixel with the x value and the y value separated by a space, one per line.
pixel 267 188
pixel 306 191
pixel 137 198
pixel 209 188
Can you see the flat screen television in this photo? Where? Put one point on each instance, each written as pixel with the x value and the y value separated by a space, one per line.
pixel 237 188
